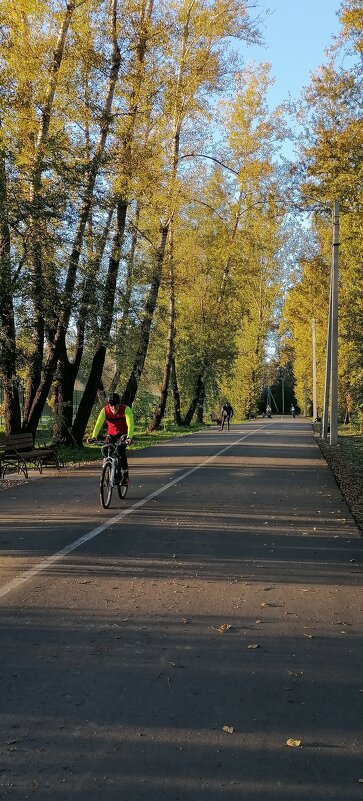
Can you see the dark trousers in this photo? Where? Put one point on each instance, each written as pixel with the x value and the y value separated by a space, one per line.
pixel 120 450
pixel 225 419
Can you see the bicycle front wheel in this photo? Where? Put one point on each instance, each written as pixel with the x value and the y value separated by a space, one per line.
pixel 106 486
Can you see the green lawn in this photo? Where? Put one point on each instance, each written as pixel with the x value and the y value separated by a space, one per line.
pixel 350 439
pixel 141 439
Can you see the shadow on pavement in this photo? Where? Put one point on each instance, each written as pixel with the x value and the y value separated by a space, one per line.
pixel 135 708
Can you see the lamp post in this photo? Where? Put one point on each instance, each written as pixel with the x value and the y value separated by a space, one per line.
pixel 315 405
pixel 334 329
pixel 331 375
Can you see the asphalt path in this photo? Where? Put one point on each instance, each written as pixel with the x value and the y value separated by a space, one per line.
pixel 171 646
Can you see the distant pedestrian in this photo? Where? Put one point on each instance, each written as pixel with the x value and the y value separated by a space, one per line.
pixel 268 410
pixel 226 415
pixel 292 410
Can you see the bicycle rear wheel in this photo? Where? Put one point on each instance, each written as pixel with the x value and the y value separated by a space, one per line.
pixel 122 490
pixel 106 486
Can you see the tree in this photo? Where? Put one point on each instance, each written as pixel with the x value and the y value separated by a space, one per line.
pixel 330 167
pixel 194 63
pixel 238 240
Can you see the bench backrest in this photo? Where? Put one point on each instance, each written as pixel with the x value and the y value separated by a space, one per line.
pixel 18 442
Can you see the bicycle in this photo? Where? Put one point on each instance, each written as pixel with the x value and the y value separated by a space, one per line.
pixel 109 467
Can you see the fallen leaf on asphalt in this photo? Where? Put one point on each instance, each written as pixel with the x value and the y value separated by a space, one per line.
pixel 228 729
pixel 360 781
pixel 274 606
pixel 223 628
pixel 311 636
pixel 258 621
pixel 184 620
pixel 255 645
pixel 293 743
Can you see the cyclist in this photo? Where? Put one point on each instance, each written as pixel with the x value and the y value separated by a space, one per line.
pixel 120 429
pixel 226 415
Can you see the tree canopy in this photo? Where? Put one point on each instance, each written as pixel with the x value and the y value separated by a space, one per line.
pixel 146 215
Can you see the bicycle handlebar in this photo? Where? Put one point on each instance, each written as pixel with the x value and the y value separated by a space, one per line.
pixel 102 442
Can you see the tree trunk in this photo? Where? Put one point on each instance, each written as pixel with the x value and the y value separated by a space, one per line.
pixel 95 376
pixel 32 420
pixel 200 405
pixel 227 266
pixel 11 405
pixel 133 382
pixel 199 389
pixel 63 391
pixel 160 408
pixel 62 397
pixel 67 371
pixel 176 394
pixel 121 339
pixel 36 220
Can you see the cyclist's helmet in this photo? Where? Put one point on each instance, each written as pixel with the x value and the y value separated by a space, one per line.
pixel 114 399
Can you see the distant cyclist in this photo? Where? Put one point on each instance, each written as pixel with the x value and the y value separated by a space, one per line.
pixel 120 429
pixel 226 415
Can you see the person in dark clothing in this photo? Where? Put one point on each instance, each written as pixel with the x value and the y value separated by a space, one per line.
pixel 226 415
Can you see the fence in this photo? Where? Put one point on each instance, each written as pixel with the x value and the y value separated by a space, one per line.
pixel 46 418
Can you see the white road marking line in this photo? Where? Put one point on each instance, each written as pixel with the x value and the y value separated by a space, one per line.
pixel 56 557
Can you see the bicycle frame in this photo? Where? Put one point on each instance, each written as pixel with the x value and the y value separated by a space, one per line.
pixel 111 462
pixel 111 457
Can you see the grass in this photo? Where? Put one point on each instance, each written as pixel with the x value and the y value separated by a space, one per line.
pixel 141 439
pixel 346 461
pixel 350 439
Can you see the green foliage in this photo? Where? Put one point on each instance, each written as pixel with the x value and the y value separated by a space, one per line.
pixel 331 167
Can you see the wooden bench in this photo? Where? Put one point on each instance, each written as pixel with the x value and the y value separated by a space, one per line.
pixel 19 451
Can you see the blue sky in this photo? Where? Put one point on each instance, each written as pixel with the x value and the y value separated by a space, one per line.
pixel 296 35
